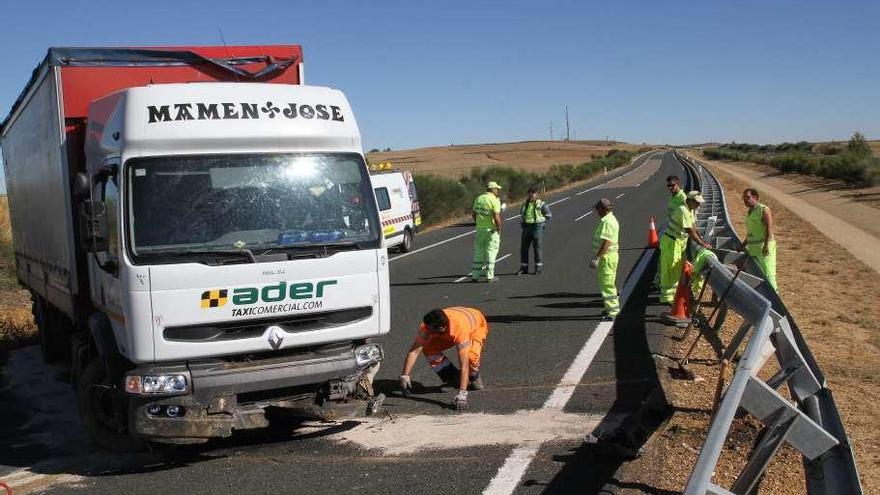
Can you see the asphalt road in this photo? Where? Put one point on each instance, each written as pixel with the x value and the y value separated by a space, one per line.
pixel 551 378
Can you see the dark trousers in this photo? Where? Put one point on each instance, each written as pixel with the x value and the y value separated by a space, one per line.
pixel 532 236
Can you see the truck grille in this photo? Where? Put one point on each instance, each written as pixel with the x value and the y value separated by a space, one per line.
pixel 255 328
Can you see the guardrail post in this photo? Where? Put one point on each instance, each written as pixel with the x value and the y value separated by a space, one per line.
pixel 771 440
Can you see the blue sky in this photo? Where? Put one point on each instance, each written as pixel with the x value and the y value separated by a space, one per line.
pixel 434 73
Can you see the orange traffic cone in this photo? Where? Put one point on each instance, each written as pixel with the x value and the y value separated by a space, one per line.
pixel 653 239
pixel 678 313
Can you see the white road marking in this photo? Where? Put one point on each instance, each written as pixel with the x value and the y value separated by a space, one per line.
pixel 590 189
pixel 432 245
pixel 515 466
pixel 621 176
pixel 560 201
pixel 565 389
pixel 583 216
pixel 513 469
pixel 619 196
pixel 460 279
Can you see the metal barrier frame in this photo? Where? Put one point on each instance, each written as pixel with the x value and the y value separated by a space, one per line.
pixel 812 426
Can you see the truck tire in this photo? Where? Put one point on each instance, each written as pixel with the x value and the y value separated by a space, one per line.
pixel 408 241
pixel 96 397
pixel 43 318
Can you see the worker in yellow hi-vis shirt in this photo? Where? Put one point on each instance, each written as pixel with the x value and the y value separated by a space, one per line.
pixel 605 247
pixel 487 216
pixel 760 243
pixel 676 199
pixel 682 224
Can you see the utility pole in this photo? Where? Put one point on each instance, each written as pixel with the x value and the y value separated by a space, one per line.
pixel 567 126
pixel 551 130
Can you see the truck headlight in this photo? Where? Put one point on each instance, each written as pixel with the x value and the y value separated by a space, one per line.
pixel 368 354
pixel 157 384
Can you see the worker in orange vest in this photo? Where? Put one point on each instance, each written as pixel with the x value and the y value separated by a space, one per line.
pixel 463 328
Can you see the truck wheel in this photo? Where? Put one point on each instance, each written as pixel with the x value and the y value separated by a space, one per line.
pixel 407 244
pixel 98 399
pixel 43 318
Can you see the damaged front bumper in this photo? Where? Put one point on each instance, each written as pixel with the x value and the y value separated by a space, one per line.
pixel 326 383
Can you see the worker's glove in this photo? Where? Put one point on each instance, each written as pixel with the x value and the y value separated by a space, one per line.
pixel 460 400
pixel 594 262
pixel 405 384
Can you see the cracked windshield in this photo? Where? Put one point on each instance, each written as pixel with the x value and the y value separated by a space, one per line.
pixel 248 202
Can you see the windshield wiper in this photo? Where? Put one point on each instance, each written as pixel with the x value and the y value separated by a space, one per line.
pixel 225 253
pixel 314 250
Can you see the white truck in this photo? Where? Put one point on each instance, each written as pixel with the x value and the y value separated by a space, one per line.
pixel 203 253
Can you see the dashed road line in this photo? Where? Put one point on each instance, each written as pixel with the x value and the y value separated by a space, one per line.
pixel 559 201
pixel 620 196
pixel 585 215
pixel 590 189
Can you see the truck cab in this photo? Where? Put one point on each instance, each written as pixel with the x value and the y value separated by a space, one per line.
pixel 231 255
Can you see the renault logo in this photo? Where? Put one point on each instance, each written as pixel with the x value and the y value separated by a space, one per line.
pixel 276 337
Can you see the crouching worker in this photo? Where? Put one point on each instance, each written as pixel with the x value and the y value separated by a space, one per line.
pixel 464 329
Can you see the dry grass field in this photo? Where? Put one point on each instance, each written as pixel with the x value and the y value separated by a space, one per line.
pixel 454 161
pixel 16 323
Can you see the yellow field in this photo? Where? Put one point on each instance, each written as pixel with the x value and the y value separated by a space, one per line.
pixel 16 323
pixel 454 161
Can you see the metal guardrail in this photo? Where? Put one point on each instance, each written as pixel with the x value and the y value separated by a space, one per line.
pixel 812 424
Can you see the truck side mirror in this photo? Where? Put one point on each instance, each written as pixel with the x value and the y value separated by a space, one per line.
pixel 93 226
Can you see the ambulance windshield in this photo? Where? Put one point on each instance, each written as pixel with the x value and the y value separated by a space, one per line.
pixel 256 203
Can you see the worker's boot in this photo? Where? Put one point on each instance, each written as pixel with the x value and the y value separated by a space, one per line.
pixel 475 382
pixel 450 376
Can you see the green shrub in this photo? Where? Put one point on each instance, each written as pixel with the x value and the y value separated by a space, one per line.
pixel 440 198
pixel 858 146
pixel 854 165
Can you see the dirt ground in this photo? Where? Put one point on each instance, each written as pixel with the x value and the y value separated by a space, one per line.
pixel 454 161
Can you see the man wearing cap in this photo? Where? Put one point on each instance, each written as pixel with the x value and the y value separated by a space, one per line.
pixel 682 224
pixel 605 247
pixel 533 216
pixel 487 216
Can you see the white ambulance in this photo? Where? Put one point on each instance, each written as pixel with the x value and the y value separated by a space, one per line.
pixel 398 205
